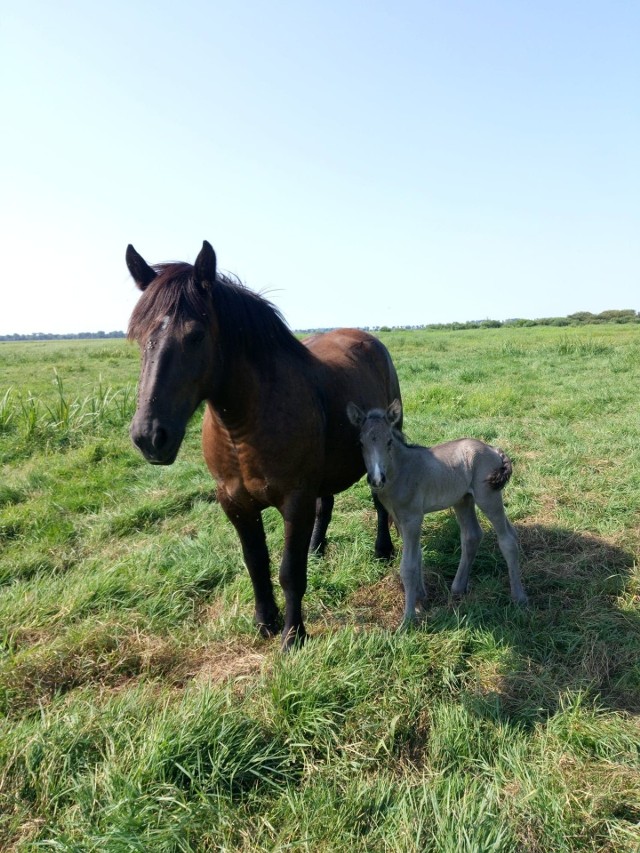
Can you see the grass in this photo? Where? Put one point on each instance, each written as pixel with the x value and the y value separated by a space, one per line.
pixel 139 709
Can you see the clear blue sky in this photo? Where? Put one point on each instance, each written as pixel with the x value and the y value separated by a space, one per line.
pixel 365 163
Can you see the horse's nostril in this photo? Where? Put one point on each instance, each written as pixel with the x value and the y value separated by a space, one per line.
pixel 159 438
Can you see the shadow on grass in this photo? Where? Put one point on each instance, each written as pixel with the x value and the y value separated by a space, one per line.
pixel 580 633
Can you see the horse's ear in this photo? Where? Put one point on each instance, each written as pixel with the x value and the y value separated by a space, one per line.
pixel 394 412
pixel 205 265
pixel 140 270
pixel 355 415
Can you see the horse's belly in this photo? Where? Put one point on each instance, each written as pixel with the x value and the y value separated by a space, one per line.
pixel 340 474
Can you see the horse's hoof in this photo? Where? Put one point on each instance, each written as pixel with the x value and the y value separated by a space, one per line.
pixel 294 638
pixel 319 549
pixel 385 554
pixel 268 626
pixel 522 601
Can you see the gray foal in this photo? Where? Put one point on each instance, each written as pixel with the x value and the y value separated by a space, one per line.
pixel 411 480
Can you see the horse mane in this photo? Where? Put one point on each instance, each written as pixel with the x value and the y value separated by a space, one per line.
pixel 248 322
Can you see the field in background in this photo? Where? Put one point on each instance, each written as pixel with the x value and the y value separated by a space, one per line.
pixel 139 710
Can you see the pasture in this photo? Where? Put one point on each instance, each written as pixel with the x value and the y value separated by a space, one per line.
pixel 141 711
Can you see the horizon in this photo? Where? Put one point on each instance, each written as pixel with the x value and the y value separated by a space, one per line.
pixel 572 318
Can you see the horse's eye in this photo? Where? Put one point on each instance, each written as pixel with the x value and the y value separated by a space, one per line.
pixel 196 336
pixel 389 443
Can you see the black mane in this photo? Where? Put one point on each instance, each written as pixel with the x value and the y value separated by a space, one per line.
pixel 247 321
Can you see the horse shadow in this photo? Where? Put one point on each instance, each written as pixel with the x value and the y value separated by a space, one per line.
pixel 579 634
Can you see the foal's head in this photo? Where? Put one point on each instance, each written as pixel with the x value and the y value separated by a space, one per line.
pixel 378 436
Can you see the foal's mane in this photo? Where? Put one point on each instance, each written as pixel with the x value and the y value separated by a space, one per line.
pixel 246 320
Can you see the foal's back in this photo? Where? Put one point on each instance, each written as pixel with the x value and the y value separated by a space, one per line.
pixel 437 477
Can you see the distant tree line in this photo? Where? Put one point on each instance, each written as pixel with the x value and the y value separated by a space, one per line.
pixel 49 336
pixel 580 318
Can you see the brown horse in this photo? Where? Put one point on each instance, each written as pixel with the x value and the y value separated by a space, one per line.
pixel 275 431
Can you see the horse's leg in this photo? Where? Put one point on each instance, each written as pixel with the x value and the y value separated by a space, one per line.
pixel 493 508
pixel 470 536
pixel 383 548
pixel 324 509
pixel 411 567
pixel 298 513
pixel 250 530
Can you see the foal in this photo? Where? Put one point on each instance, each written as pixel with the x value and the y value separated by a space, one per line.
pixel 410 480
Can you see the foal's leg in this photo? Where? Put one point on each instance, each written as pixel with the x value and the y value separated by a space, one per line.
pixel 470 536
pixel 383 548
pixel 298 513
pixel 411 567
pixel 250 530
pixel 493 508
pixel 324 509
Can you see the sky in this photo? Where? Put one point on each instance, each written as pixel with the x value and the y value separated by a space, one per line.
pixel 361 163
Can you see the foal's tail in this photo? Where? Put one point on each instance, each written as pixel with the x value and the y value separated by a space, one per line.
pixel 499 478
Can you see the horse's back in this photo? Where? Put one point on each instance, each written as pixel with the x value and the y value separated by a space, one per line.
pixel 352 366
pixel 299 436
pixel 356 367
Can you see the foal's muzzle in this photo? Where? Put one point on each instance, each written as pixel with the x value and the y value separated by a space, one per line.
pixel 376 481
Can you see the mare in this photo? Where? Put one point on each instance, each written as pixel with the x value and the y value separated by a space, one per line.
pixel 275 430
pixel 411 480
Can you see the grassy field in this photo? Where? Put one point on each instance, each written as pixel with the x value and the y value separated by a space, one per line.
pixel 140 711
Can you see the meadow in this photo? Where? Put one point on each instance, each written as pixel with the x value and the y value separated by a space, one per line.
pixel 141 711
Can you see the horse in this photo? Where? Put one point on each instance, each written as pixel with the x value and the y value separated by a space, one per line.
pixel 275 431
pixel 411 480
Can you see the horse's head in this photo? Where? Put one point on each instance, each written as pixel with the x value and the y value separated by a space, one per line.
pixel 377 437
pixel 172 325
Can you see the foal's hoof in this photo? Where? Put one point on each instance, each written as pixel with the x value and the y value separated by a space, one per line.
pixel 458 593
pixel 412 622
pixel 522 600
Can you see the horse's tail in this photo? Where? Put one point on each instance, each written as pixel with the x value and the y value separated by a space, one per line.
pixel 499 478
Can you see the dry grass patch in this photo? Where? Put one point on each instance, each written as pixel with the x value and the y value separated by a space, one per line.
pixel 232 661
pixel 380 604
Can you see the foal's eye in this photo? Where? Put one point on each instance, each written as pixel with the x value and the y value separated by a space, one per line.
pixel 389 443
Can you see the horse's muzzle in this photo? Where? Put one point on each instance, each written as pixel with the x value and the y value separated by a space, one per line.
pixel 158 445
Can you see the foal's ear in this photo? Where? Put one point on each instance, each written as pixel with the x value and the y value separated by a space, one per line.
pixel 140 270
pixel 205 265
pixel 394 412
pixel 355 415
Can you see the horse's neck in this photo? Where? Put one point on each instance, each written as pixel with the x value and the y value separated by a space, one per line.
pixel 234 396
pixel 246 395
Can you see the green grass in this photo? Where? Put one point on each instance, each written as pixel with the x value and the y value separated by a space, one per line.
pixel 140 711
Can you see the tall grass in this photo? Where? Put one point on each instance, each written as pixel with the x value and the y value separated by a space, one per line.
pixel 140 710
pixel 64 418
